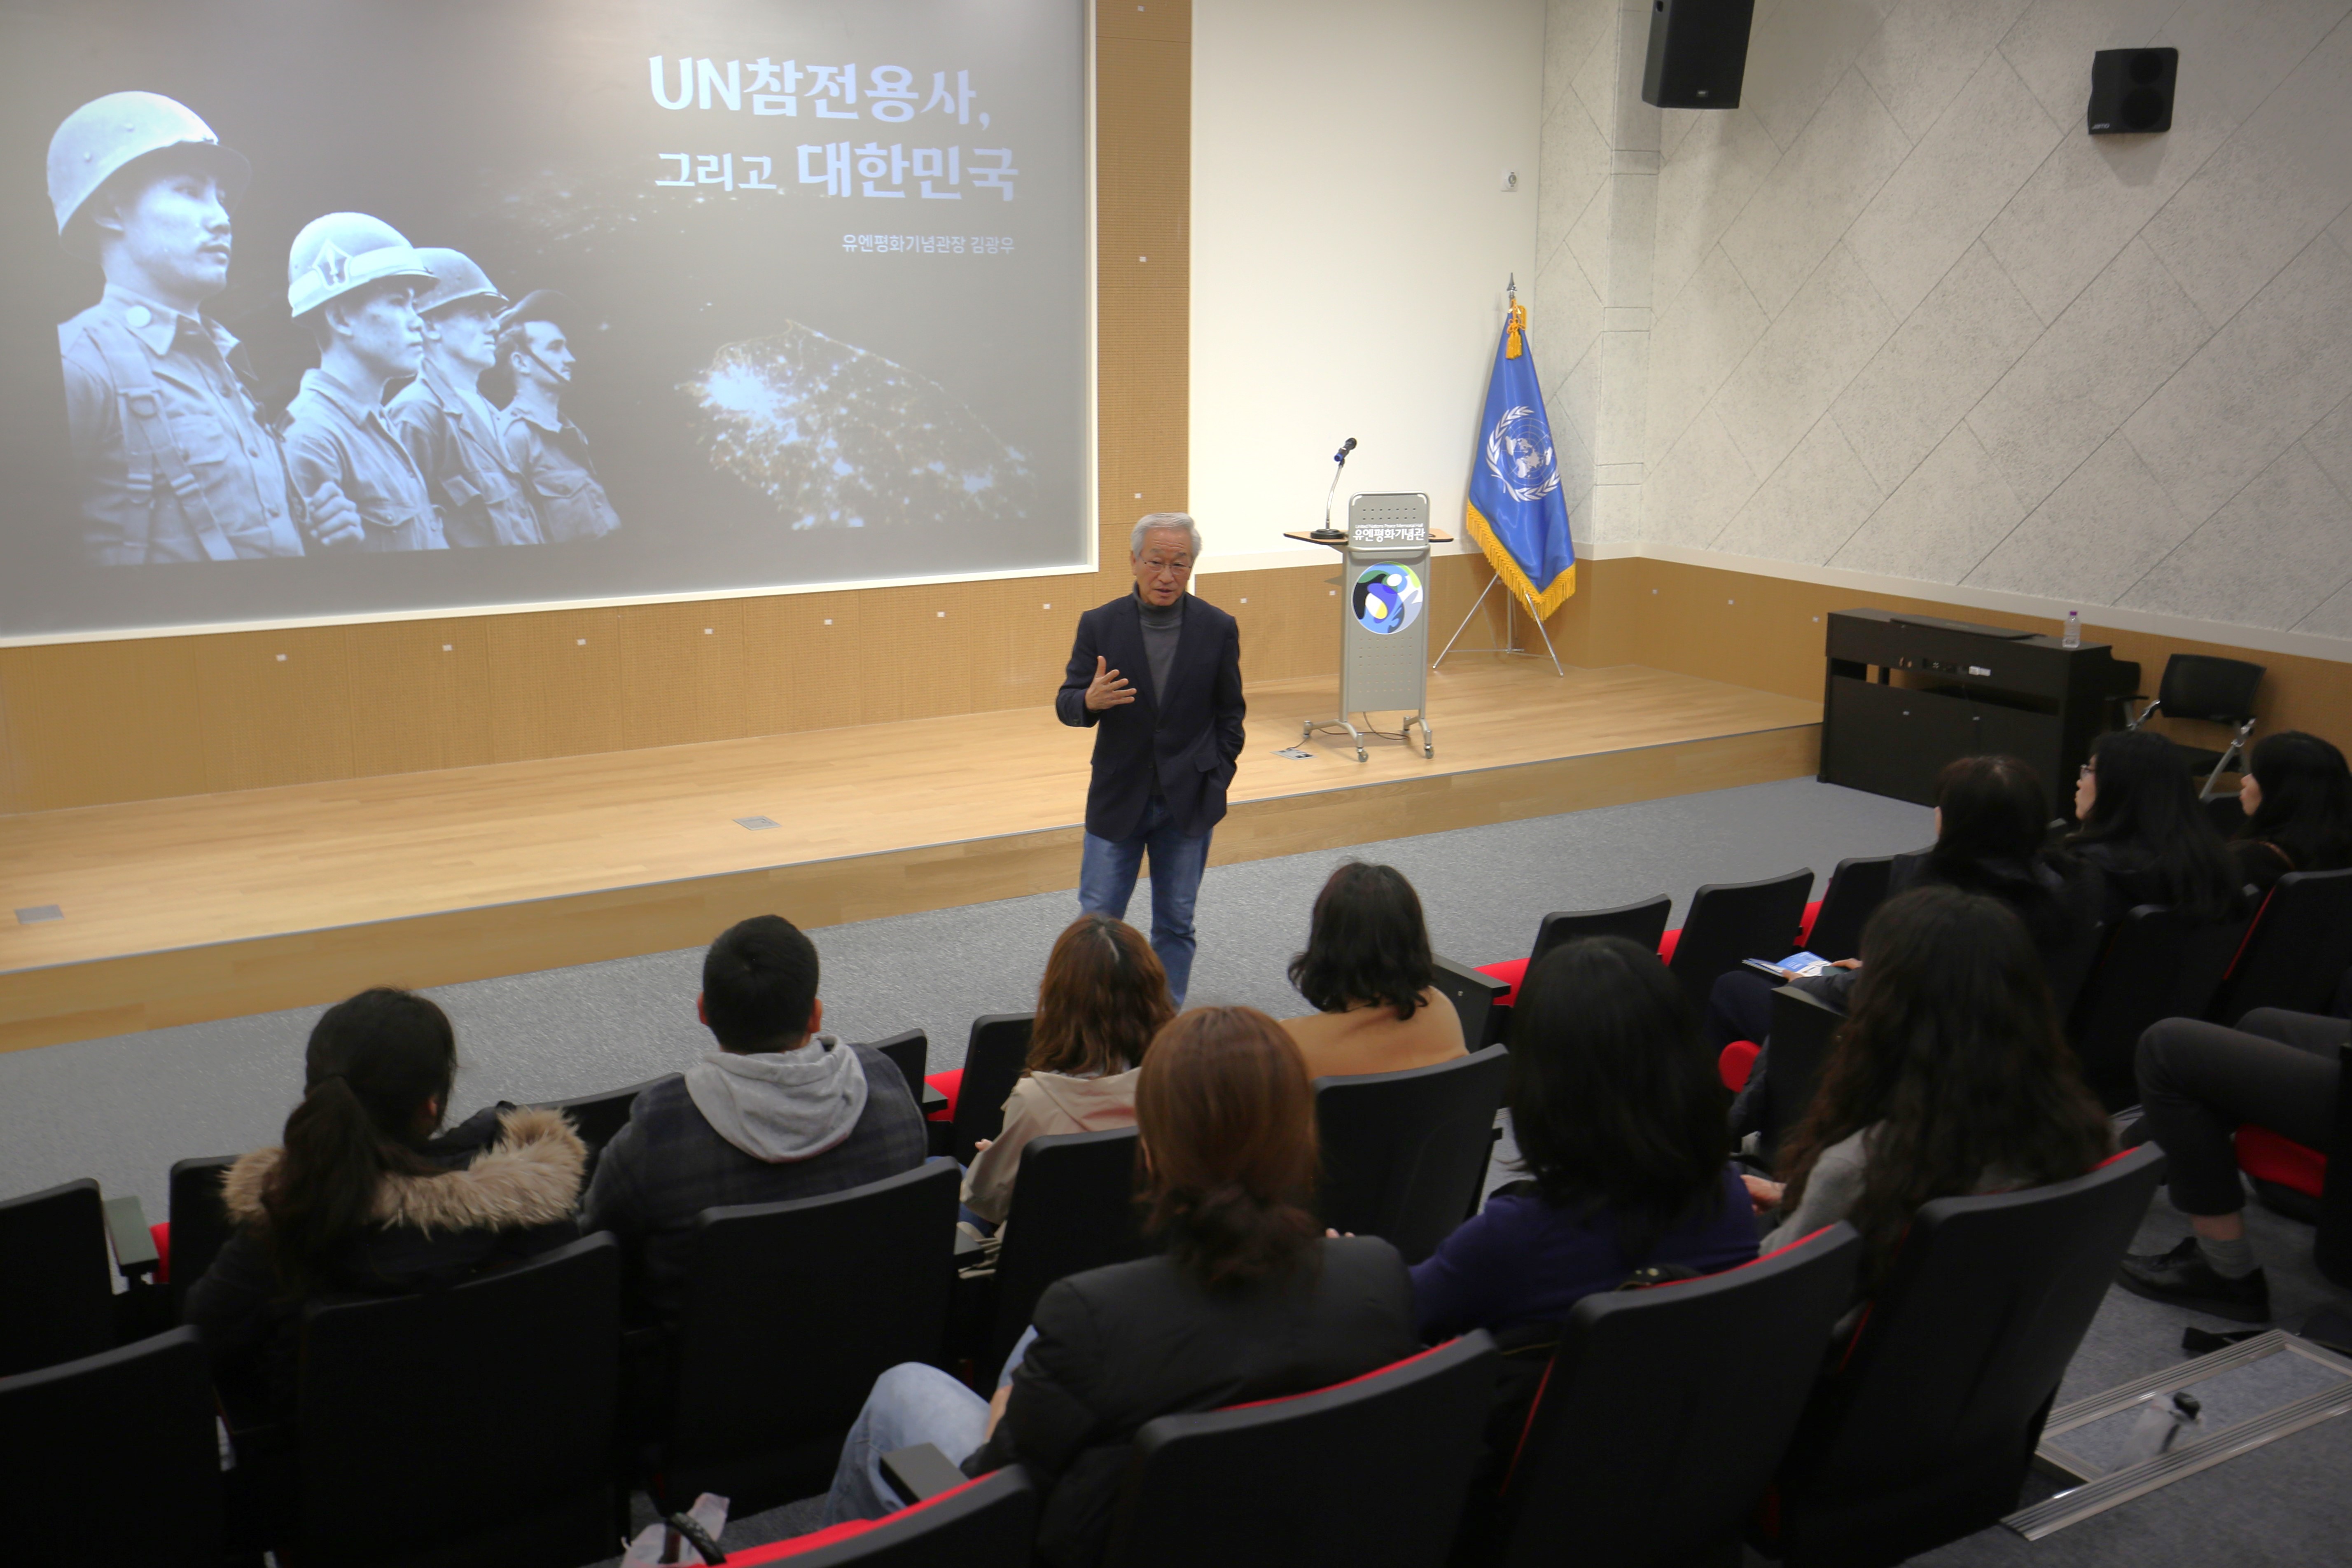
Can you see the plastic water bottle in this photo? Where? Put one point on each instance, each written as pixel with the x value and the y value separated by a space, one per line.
pixel 2161 1424
pixel 2074 637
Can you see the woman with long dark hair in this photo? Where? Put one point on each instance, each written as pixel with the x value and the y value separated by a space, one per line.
pixel 1249 1300
pixel 2297 796
pixel 1619 1118
pixel 1950 1075
pixel 1369 975
pixel 358 1200
pixel 1103 998
pixel 2142 830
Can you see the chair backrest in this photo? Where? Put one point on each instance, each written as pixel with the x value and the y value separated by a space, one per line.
pixel 791 1312
pixel 1664 1412
pixel 1731 923
pixel 1856 887
pixel 1928 1431
pixel 1404 1153
pixel 478 1425
pixel 57 1278
pixel 114 1459
pixel 597 1117
pixel 991 1065
pixel 1477 1000
pixel 2157 964
pixel 2298 950
pixel 1365 1475
pixel 986 1524
pixel 2332 1250
pixel 1642 922
pixel 2200 686
pixel 1802 1026
pixel 1073 1209
pixel 200 1222
pixel 909 1050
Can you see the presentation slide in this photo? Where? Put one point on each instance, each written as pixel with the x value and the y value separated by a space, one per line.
pixel 366 307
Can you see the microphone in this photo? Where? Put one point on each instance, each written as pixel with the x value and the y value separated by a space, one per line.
pixel 1340 456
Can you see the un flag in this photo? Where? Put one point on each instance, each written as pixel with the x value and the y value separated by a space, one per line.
pixel 1516 511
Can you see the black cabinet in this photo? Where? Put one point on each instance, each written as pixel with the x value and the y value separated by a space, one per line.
pixel 1905 694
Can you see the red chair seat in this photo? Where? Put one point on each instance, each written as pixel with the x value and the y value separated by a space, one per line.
pixel 160 1234
pixel 1512 971
pixel 2267 1157
pixel 1666 946
pixel 948 1083
pixel 1805 932
pixel 1737 1060
pixel 847 1529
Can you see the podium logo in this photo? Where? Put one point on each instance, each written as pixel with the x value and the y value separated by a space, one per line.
pixel 1520 454
pixel 1387 598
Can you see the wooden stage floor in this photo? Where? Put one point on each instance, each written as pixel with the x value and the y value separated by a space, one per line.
pixel 213 906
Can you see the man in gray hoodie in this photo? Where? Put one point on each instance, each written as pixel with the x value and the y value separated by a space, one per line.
pixel 779 1110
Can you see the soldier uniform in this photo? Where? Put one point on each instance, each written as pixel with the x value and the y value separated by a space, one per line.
pixel 174 458
pixel 451 432
pixel 557 471
pixel 335 434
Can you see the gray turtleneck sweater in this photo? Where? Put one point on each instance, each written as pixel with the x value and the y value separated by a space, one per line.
pixel 1160 629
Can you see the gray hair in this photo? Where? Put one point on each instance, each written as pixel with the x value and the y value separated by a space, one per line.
pixel 1172 521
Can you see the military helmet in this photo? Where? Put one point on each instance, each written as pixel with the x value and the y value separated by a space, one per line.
pixel 549 305
pixel 105 135
pixel 342 251
pixel 455 277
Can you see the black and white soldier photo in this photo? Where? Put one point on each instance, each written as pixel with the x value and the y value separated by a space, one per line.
pixel 547 449
pixel 450 429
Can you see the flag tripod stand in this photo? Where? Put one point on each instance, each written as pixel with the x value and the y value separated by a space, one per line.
pixel 1509 629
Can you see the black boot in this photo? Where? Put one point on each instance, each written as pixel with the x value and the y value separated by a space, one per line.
pixel 2183 1277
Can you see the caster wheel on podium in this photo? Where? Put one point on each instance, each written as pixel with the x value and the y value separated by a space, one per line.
pixel 1429 753
pixel 1360 756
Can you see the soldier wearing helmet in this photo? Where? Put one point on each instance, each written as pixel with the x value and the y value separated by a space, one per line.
pixel 174 460
pixel 547 449
pixel 451 432
pixel 354 280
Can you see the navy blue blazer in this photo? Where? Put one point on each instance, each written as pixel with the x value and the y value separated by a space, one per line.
pixel 1191 742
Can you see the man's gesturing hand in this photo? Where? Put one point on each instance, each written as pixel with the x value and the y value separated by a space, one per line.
pixel 1107 688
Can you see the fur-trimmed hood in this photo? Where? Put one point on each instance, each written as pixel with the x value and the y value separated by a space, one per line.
pixel 531 1177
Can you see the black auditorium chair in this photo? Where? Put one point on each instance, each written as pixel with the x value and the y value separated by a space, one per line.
pixel 1405 1153
pixel 1073 1209
pixel 984 1523
pixel 598 1117
pixel 1856 889
pixel 1478 999
pixel 1665 1411
pixel 2208 691
pixel 57 1289
pixel 476 1426
pixel 2157 964
pixel 2296 953
pixel 1368 1474
pixel 1731 923
pixel 1802 1026
pixel 791 1312
pixel 992 1066
pixel 113 1460
pixel 909 1051
pixel 1924 1431
pixel 199 1218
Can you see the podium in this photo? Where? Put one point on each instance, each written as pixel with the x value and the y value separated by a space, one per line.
pixel 1383 618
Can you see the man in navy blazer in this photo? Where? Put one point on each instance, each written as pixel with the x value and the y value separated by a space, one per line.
pixel 1157 675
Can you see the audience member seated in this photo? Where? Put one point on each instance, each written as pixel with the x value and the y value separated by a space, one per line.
pixel 2199 1082
pixel 1102 998
pixel 358 1200
pixel 2297 796
pixel 1950 1076
pixel 1992 817
pixel 1248 1301
pixel 1619 1118
pixel 2143 832
pixel 779 1110
pixel 1368 972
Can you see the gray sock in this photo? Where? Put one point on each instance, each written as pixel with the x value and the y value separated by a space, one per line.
pixel 2229 1259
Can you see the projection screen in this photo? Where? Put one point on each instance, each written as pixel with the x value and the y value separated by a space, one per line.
pixel 353 307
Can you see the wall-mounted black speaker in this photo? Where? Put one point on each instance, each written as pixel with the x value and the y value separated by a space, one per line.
pixel 2131 91
pixel 1698 53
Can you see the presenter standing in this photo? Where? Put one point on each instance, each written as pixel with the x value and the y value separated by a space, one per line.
pixel 1157 674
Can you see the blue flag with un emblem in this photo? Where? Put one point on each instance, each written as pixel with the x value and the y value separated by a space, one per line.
pixel 1516 511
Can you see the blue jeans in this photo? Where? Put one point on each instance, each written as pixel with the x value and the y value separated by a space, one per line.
pixel 1106 873
pixel 910 1404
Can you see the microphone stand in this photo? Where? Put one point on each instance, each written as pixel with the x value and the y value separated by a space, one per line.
pixel 1327 531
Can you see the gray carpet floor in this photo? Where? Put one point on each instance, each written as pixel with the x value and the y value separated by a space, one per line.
pixel 123 1108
